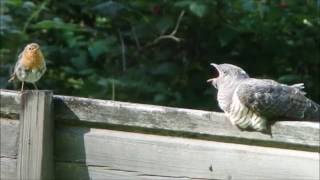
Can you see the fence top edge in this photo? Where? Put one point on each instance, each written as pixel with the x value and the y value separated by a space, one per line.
pixel 150 107
pixel 301 133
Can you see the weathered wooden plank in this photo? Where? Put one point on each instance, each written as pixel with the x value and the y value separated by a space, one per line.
pixel 101 112
pixel 9 136
pixel 179 157
pixel 80 171
pixel 83 110
pixel 9 103
pixel 8 168
pixel 35 158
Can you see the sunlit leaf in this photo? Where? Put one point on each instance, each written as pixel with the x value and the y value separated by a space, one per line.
pixel 75 83
pixel 56 23
pixel 13 2
pixel 198 9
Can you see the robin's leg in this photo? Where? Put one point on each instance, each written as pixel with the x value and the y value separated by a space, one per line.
pixel 35 86
pixel 22 86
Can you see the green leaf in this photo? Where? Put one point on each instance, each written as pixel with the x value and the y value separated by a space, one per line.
pixel 289 78
pixel 226 35
pixel 68 70
pixel 97 48
pixel 56 23
pixel 28 5
pixel 109 8
pixel 160 98
pixel 164 24
pixel 14 2
pixel 6 22
pixel 103 82
pixel 75 83
pixel 80 62
pixel 87 71
pixel 185 3
pixel 198 9
pixel 165 69
pixel 248 5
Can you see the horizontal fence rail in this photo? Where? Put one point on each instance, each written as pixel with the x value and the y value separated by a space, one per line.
pixel 102 139
pixel 84 111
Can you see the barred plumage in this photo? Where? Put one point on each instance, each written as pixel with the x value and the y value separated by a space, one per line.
pixel 244 117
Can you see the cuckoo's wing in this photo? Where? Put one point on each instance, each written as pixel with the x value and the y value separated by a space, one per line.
pixel 272 99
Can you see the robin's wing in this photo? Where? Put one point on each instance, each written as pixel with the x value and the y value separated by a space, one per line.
pixel 13 75
pixel 272 99
pixel 44 67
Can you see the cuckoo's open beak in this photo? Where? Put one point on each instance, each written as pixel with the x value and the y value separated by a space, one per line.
pixel 215 72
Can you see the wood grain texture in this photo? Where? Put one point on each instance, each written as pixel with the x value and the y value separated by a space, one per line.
pixel 8 168
pixel 9 137
pixel 80 171
pixel 84 111
pixel 151 155
pixel 9 103
pixel 35 158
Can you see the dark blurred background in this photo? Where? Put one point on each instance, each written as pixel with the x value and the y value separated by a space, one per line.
pixel 121 49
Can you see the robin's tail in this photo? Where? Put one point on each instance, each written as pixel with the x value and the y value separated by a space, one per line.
pixel 13 77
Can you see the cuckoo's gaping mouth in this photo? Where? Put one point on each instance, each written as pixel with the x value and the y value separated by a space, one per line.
pixel 215 72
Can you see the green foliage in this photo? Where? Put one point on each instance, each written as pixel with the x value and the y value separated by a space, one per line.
pixel 112 50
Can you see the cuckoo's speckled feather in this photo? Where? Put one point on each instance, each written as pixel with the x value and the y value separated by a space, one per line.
pixel 250 102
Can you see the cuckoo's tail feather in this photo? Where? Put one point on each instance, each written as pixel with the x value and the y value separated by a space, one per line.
pixel 299 87
pixel 312 113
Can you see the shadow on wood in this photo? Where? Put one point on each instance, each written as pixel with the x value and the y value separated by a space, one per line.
pixel 62 141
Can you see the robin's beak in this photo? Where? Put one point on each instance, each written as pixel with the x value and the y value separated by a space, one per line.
pixel 215 72
pixel 33 47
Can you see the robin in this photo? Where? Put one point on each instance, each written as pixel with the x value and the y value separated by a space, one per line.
pixel 30 65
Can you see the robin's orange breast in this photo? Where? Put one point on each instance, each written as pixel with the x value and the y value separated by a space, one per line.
pixel 32 59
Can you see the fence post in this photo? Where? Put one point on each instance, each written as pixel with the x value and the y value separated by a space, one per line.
pixel 35 158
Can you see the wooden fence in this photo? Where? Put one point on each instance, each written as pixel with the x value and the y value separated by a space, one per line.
pixel 44 136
